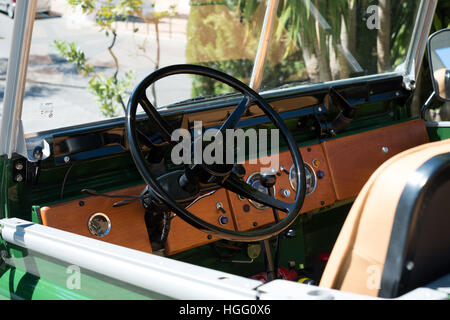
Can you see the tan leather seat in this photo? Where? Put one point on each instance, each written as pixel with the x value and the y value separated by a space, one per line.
pixel 357 261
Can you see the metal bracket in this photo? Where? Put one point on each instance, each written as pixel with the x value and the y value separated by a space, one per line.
pixel 409 81
pixel 323 127
pixel 33 150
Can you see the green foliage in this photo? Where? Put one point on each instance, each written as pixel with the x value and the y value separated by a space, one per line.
pixel 202 86
pixel 110 92
pixel 401 28
pixel 109 11
pixel 442 17
pixel 223 36
pixel 73 54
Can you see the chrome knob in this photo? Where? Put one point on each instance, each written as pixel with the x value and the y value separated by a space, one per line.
pixel 285 193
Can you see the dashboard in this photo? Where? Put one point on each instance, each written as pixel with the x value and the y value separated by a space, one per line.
pixel 336 170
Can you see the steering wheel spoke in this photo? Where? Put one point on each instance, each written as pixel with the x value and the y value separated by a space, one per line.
pixel 240 187
pixel 163 126
pixel 236 115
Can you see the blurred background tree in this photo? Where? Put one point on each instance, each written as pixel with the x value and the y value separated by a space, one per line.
pixel 314 40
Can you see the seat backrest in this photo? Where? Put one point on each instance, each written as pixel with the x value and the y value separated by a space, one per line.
pixel 419 247
pixel 374 258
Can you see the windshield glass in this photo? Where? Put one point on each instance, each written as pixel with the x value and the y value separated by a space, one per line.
pixel 87 56
pixel 5 47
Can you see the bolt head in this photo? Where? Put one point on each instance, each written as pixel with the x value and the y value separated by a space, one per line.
pixel 410 266
pixel 19 166
pixel 291 234
pixel 38 153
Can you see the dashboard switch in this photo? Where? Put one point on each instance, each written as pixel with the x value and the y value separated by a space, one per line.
pixel 283 169
pixel 223 220
pixel 320 174
pixel 219 206
pixel 239 170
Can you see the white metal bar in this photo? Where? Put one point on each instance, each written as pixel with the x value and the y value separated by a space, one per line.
pixel 418 43
pixel 288 290
pixel 165 276
pixel 16 76
pixel 440 124
pixel 264 43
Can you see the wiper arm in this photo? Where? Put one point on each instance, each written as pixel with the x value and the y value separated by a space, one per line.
pixel 294 84
pixel 326 26
pixel 200 98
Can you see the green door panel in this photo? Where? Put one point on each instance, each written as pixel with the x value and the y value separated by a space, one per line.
pixel 29 275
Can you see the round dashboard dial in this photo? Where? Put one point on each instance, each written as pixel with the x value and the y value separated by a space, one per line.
pixel 254 181
pixel 99 224
pixel 311 179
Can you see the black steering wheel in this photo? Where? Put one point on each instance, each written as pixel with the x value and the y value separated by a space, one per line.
pixel 221 175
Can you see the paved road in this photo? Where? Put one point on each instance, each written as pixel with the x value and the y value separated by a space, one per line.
pixel 56 95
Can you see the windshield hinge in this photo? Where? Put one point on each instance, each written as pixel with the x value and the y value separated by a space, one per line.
pixel 409 81
pixel 34 149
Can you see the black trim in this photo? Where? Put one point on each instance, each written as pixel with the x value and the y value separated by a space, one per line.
pixel 408 222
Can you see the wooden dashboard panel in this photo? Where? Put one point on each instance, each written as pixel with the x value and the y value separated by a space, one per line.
pixel 344 165
pixel 322 196
pixel 128 227
pixel 353 159
pixel 183 236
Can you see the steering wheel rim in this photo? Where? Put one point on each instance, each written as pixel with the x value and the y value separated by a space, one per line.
pixel 138 97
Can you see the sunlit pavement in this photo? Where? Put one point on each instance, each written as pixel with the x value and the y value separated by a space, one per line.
pixel 56 96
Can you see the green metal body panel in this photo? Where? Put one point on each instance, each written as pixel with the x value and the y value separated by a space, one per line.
pixel 438 134
pixel 27 275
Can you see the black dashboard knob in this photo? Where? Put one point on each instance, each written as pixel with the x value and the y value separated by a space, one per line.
pixel 239 170
pixel 268 179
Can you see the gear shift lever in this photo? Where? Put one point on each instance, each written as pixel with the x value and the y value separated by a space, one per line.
pixel 268 180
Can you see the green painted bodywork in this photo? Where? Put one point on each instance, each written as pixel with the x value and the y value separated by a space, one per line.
pixel 28 275
pixel 438 134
